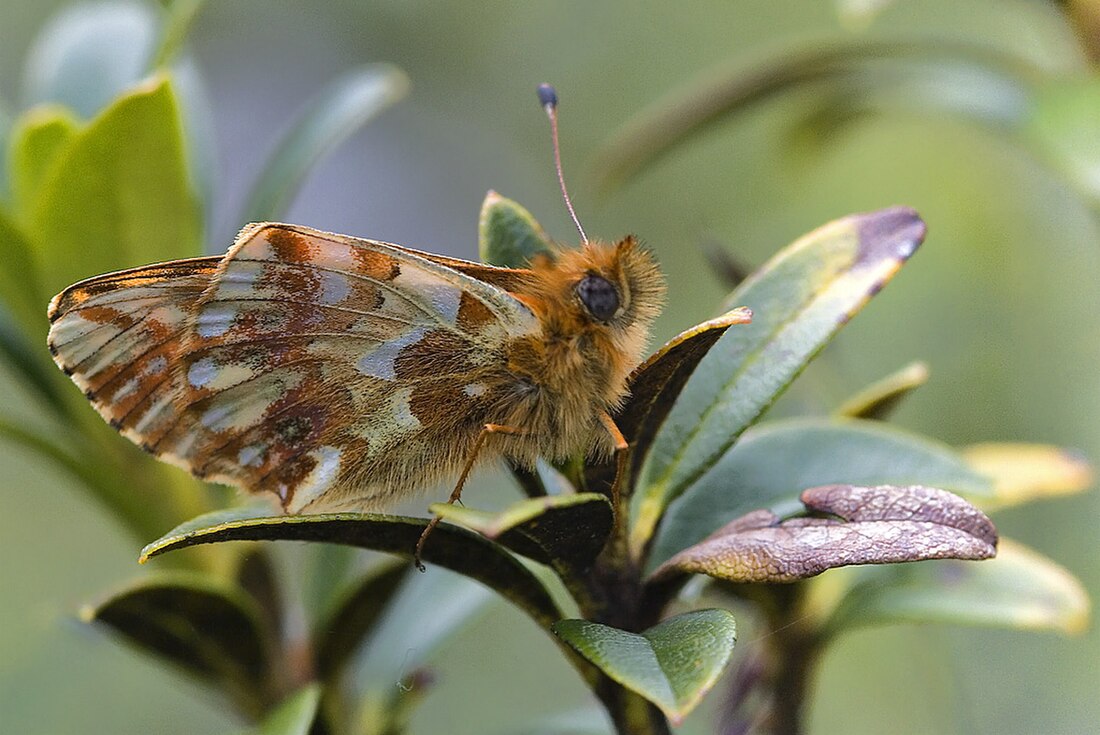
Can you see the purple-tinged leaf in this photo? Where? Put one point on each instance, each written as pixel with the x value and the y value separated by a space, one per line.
pixel 774 459
pixel 857 525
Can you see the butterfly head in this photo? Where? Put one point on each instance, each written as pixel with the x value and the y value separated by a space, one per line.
pixel 621 287
pixel 607 292
pixel 613 289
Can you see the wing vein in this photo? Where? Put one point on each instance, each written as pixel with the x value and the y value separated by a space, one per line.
pixel 103 346
pixel 434 316
pixel 359 312
pixel 210 454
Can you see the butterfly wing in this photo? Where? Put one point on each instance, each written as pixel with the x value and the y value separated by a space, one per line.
pixel 119 333
pixel 310 357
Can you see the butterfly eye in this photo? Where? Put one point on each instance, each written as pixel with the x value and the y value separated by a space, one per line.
pixel 599 297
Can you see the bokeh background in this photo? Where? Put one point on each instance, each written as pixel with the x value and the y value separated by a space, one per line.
pixel 1001 302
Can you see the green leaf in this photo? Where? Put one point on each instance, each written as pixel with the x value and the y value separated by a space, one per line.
pixel 878 400
pixel 590 720
pixel 1019 589
pixel 54 449
pixel 122 482
pixel 89 54
pixel 450 547
pixel 258 577
pixel 774 461
pixel 338 637
pixel 6 123
pixel 565 531
pixel 799 299
pixel 119 195
pixel 295 715
pixel 672 664
pixel 331 118
pixel 886 524
pixel 40 135
pixel 654 386
pixel 20 282
pixel 1064 125
pixel 26 361
pixel 326 572
pixel 1022 473
pixel 181 15
pixel 206 628
pixel 507 234
pixel 920 75
pixel 427 610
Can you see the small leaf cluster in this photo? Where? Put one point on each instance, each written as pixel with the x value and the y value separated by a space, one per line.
pixel 710 488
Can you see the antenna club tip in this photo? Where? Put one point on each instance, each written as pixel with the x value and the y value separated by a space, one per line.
pixel 548 96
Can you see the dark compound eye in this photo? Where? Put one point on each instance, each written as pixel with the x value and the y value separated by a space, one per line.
pixel 599 297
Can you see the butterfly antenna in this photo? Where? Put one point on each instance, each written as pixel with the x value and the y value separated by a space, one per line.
pixel 548 96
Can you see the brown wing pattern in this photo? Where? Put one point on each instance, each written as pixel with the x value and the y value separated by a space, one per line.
pixel 295 366
pixel 119 335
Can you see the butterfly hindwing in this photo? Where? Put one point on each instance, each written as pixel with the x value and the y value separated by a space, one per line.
pixel 300 362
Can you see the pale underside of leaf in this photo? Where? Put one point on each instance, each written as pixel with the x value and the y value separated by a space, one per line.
pixel 857 525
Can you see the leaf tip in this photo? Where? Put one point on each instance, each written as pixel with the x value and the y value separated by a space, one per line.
pixel 738 315
pixel 148 552
pixel 895 232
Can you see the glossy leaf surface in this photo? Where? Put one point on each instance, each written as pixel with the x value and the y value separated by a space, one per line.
pixel 673 664
pixel 799 300
pixel 561 530
pixel 508 234
pixel 654 386
pixel 451 547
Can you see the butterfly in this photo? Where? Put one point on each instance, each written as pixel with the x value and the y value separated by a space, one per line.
pixel 337 373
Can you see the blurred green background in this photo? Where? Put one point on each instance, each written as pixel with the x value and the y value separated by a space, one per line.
pixel 1001 302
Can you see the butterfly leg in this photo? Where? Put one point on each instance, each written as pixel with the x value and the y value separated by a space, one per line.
pixel 622 454
pixel 456 494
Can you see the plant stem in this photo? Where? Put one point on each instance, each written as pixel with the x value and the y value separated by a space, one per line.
pixel 770 689
pixel 631 714
pixel 789 683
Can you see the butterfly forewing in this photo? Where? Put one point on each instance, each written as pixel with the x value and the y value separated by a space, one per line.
pixel 302 360
pixel 119 336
